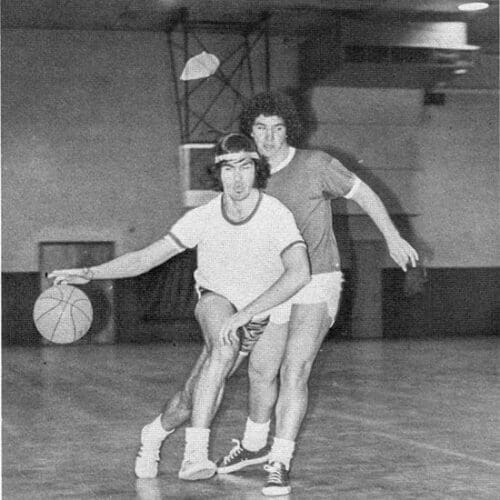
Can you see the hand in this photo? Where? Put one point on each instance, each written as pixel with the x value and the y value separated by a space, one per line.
pixel 79 276
pixel 402 252
pixel 229 331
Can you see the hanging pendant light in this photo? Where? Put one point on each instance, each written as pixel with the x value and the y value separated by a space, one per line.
pixel 200 66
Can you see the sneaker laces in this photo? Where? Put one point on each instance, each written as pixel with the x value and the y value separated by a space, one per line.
pixel 235 451
pixel 274 470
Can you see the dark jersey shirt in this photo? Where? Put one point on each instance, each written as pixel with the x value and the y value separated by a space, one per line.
pixel 306 185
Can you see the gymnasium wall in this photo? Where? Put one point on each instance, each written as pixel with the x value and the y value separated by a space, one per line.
pixel 437 163
pixel 459 186
pixel 90 135
pixel 89 152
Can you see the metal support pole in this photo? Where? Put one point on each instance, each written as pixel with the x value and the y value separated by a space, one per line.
pixel 175 84
pixel 186 83
pixel 268 53
pixel 249 64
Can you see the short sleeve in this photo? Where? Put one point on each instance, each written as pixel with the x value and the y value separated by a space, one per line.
pixel 287 233
pixel 188 231
pixel 337 181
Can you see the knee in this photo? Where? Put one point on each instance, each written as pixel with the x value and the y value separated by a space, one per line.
pixel 262 373
pixel 295 372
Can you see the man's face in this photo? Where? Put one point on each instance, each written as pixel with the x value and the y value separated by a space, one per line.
pixel 269 134
pixel 238 178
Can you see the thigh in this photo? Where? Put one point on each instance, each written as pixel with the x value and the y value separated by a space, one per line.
pixel 211 311
pixel 309 324
pixel 268 351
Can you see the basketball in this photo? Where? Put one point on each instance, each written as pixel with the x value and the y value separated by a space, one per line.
pixel 62 314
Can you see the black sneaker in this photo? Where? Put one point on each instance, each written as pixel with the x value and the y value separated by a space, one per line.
pixel 277 480
pixel 239 458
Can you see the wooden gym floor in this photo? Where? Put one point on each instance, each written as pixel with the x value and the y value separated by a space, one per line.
pixel 388 419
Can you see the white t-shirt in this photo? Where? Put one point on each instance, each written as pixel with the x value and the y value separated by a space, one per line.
pixel 239 260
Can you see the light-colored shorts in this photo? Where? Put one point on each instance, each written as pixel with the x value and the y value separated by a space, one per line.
pixel 324 287
pixel 282 316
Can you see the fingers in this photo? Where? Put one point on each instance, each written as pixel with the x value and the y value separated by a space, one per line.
pixel 414 257
pixel 67 276
pixel 233 336
pixel 61 280
pixel 229 334
pixel 59 277
pixel 411 255
pixel 404 254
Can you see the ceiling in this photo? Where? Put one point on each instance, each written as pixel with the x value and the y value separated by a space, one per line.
pixel 286 16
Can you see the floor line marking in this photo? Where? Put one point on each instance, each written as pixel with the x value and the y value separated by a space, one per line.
pixel 418 444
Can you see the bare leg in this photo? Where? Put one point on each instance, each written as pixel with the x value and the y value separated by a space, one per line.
pixel 309 324
pixel 177 410
pixel 212 310
pixel 263 370
pixel 211 313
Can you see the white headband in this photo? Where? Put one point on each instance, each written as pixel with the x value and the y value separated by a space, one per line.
pixel 237 156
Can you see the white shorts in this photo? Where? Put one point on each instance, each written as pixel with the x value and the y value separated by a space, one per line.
pixel 324 287
pixel 280 315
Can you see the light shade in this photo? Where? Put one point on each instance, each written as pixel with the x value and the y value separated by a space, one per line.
pixel 473 6
pixel 201 66
pixel 445 35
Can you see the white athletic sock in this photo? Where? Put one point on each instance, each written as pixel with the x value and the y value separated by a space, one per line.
pixel 255 436
pixel 196 444
pixel 282 451
pixel 157 429
pixel 153 435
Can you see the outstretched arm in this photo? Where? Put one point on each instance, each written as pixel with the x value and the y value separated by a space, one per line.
pixel 126 266
pixel 399 249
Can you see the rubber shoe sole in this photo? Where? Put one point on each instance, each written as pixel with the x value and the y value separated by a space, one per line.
pixel 276 491
pixel 195 471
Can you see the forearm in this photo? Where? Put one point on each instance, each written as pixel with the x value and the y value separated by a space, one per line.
pixel 399 249
pixel 369 201
pixel 126 266
pixel 289 283
pixel 135 263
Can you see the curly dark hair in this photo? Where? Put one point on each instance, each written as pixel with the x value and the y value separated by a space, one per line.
pixel 236 143
pixel 272 104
